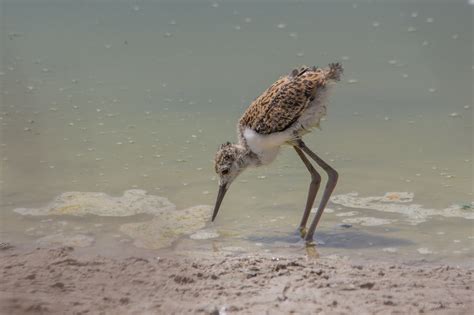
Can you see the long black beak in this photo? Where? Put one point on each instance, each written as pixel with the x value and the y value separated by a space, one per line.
pixel 220 196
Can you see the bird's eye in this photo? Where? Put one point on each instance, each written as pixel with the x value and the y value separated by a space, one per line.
pixel 225 171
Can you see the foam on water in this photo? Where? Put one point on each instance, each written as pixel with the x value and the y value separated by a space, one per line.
pixel 167 225
pixel 347 214
pixel 401 203
pixel 368 221
pixel 164 229
pixel 75 203
pixel 78 240
pixel 204 235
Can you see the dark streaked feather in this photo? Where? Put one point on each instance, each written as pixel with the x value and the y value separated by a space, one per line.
pixel 285 100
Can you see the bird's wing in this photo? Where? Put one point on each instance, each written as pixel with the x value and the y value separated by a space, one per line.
pixel 285 100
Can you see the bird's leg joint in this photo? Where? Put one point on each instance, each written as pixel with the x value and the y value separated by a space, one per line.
pixel 302 230
pixel 316 178
pixel 300 143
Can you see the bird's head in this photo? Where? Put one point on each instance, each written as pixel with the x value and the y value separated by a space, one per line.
pixel 229 162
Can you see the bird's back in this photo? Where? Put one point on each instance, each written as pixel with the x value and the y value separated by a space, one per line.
pixel 283 103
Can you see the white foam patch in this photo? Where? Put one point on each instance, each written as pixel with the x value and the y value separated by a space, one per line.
pixel 400 202
pixel 347 214
pixel 326 210
pixel 204 235
pixel 78 240
pixel 367 221
pixel 164 229
pixel 424 251
pixel 134 201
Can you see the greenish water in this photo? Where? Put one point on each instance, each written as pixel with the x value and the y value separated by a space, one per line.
pixel 106 96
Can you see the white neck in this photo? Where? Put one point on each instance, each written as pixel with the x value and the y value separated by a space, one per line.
pixel 246 157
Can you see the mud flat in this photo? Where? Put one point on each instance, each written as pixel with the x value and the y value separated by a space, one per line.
pixel 62 281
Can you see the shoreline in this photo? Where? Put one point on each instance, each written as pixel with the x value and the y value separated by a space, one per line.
pixel 61 280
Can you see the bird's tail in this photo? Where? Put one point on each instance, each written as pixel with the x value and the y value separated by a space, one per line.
pixel 335 71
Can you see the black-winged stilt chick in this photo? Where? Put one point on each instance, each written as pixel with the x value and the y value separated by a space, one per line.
pixel 290 108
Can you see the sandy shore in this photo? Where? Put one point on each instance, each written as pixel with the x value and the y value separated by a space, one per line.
pixel 59 281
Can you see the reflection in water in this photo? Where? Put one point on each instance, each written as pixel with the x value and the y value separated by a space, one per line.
pixel 334 239
pixel 311 251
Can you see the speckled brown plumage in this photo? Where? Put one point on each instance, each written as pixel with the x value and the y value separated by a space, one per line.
pixel 224 157
pixel 227 155
pixel 286 99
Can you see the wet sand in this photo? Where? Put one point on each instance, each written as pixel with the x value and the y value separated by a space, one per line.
pixel 63 281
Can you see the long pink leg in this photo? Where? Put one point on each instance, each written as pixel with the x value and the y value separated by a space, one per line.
pixel 313 190
pixel 332 181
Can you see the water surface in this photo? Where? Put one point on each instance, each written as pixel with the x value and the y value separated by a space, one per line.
pixel 107 96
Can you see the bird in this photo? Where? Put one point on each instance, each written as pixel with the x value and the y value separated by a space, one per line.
pixel 289 109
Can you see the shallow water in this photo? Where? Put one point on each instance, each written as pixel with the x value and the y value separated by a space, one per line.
pixel 102 96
